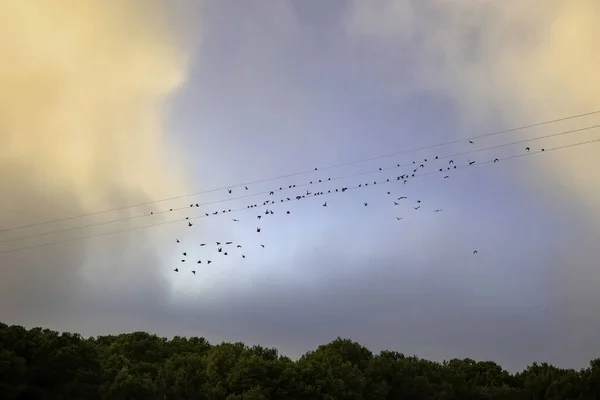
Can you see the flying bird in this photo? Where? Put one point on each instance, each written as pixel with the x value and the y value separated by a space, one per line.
pixel 199 262
pixel 416 208
pixel 176 270
pixel 177 240
pixel 246 187
pixel 184 253
pixel 527 148
pixel 190 224
pixel 403 197
pixel 202 244
pixel 236 220
pixel 239 246
pixel 398 218
pixel 218 243
pixel 208 261
pixel 229 190
pixel 220 249
pixel 243 256
pixel 496 160
pixel 470 141
pixel 257 229
pixel 262 245
pixel 471 162
pixel 228 242
pixel 474 251
pixel 182 260
pixel 325 204
pixel 365 204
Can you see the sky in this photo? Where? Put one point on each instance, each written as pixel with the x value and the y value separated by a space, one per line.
pixel 157 100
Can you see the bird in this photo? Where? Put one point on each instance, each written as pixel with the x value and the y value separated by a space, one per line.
pixel 218 243
pixel 184 253
pixel 239 246
pixel 419 201
pixel 474 251
pixel 194 272
pixel 437 210
pixel 176 270
pixel 257 229
pixel 527 148
pixel 471 162
pixel 208 261
pixel 451 162
pixel 202 244
pixel 470 141
pixel 543 149
pixel 403 197
pixel 325 204
pixel 496 160
pixel 365 204
pixel 225 254
pixel 446 177
pixel 229 190
pixel 259 216
pixel 199 261
pixel 287 212
pixel 243 256
pixel 416 208
pixel 246 187
pixel 389 192
pixel 228 242
pixel 220 249
pixel 177 240
pixel 236 220
pixel 190 224
pixel 398 218
pixel 182 260
pixel 151 212
pixel 262 245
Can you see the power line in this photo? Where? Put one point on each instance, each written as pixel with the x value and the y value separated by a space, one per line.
pixel 319 196
pixel 305 172
pixel 297 186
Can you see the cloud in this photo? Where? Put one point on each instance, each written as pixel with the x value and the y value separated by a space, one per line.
pixel 82 116
pixel 514 64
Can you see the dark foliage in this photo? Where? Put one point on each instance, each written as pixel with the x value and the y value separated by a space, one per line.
pixel 42 364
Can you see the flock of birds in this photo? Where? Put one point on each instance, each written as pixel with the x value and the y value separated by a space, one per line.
pixel 225 248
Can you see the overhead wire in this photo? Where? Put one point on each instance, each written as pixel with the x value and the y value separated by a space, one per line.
pixel 304 172
pixel 547 150
pixel 295 187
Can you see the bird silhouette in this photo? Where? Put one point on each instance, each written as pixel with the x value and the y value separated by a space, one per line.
pixel 246 187
pixel 259 216
pixel 202 244
pixel 194 272
pixel 403 197
pixel 262 245
pixel 239 246
pixel 228 242
pixel 543 149
pixel 190 224
pixel 395 203
pixel 208 261
pixel 471 162
pixel 470 141
pixel 416 208
pixel 225 253
pixel 451 162
pixel 398 218
pixel 389 192
pixel 176 270
pixel 474 251
pixel 236 220
pixel 177 240
pixel 257 229
pixel 184 253
pixel 229 190
pixel 527 148
pixel 437 210
pixel 446 177
pixel 366 204
pixel 419 201
pixel 325 204
pixel 243 256
pixel 496 160
pixel 220 249
pixel 182 260
pixel 287 212
pixel 218 243
pixel 199 261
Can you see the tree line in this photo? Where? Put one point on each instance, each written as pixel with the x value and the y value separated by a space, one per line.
pixel 43 364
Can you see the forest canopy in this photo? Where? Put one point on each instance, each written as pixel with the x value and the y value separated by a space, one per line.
pixel 43 364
